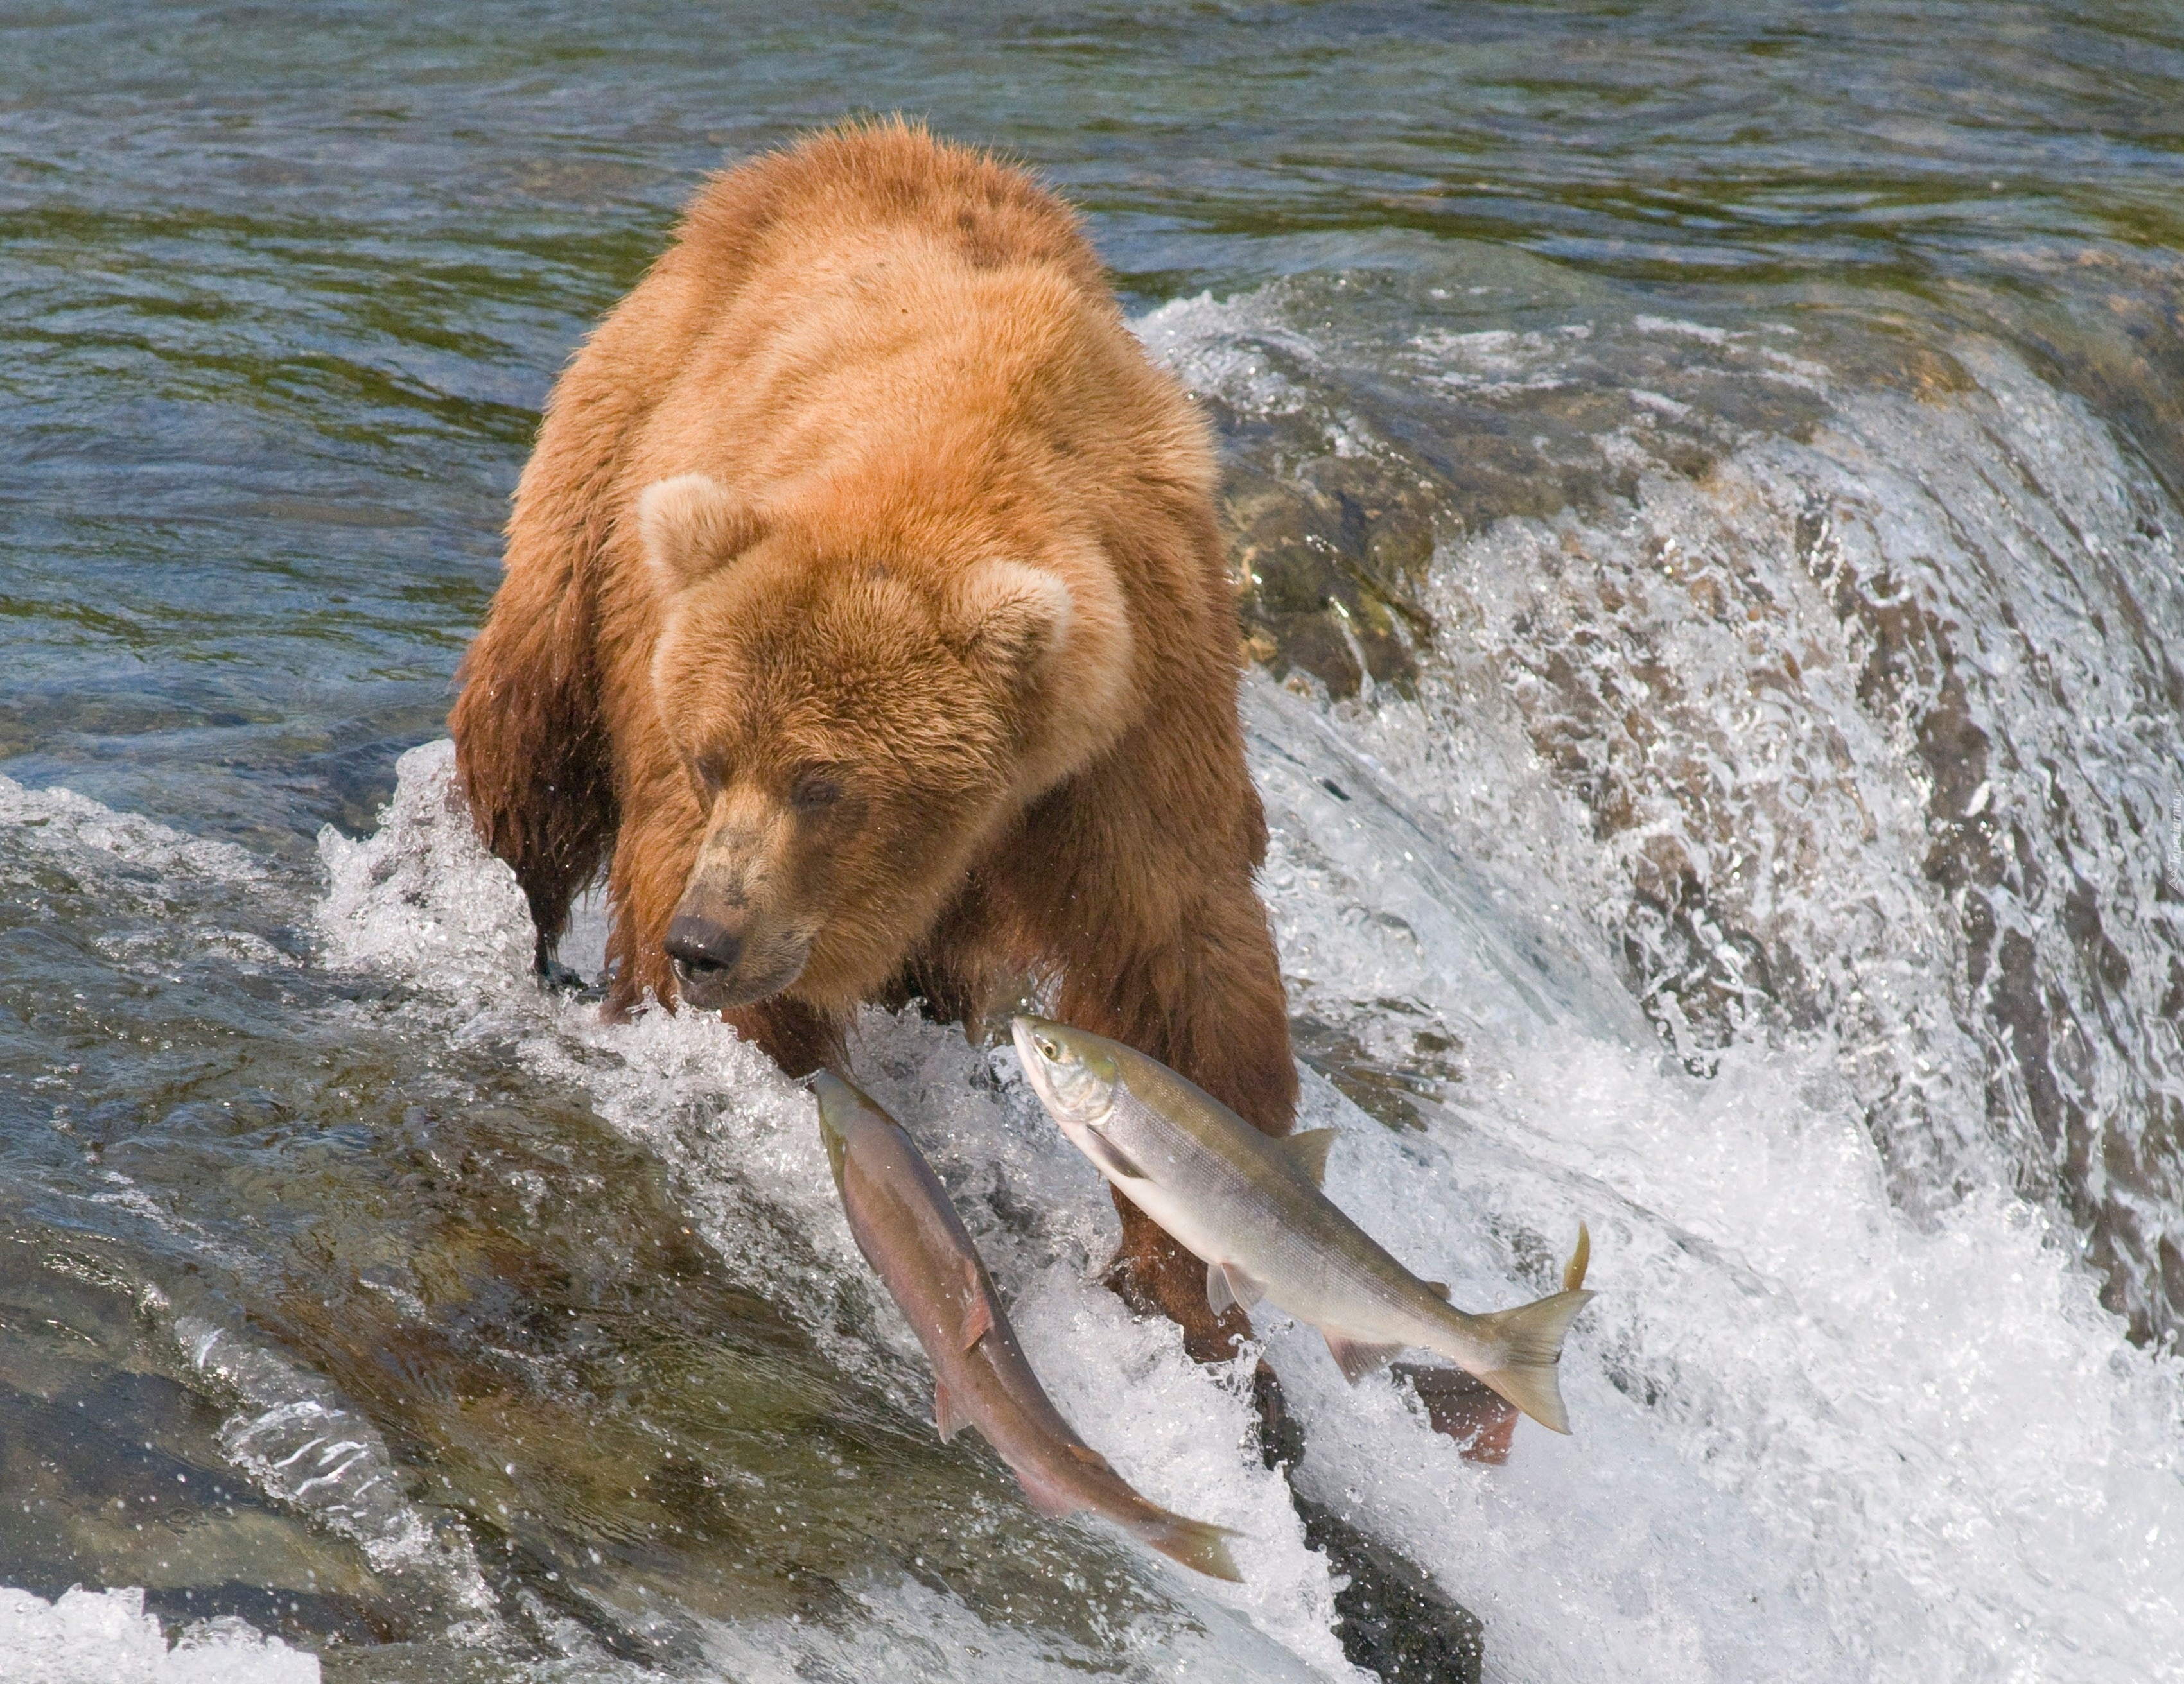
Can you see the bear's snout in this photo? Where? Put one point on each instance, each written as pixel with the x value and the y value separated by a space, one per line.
pixel 698 946
pixel 731 961
pixel 716 966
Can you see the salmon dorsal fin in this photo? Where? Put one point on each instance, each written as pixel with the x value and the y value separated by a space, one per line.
pixel 1355 1358
pixel 1226 1285
pixel 1113 1162
pixel 1306 1153
pixel 1086 1454
pixel 1437 1288
pixel 1574 1270
pixel 945 1418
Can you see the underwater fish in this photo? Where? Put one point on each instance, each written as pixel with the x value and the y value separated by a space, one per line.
pixel 904 1223
pixel 1249 1206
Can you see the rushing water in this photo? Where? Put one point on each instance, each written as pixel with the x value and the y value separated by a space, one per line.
pixel 1708 482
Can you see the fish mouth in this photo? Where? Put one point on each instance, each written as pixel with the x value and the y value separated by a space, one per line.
pixel 1038 1050
pixel 838 1103
pixel 1073 1086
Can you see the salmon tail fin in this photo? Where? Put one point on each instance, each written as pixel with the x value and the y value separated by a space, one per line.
pixel 1199 1545
pixel 1531 1340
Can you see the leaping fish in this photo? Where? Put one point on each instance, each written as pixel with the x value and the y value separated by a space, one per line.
pixel 904 1223
pixel 1249 1206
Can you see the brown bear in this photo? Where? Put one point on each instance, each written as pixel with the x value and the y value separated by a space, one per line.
pixel 863 596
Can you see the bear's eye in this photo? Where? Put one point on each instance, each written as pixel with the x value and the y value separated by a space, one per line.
pixel 711 773
pixel 814 790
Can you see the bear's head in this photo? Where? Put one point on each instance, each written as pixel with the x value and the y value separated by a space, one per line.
pixel 852 728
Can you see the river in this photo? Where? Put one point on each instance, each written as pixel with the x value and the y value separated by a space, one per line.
pixel 1707 487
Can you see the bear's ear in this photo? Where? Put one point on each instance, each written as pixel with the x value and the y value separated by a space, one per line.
pixel 690 525
pixel 1011 615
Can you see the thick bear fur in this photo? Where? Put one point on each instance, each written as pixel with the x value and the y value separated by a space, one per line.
pixel 863 601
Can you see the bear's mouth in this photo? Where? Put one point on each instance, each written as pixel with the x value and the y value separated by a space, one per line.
pixel 702 983
pixel 723 971
pixel 712 986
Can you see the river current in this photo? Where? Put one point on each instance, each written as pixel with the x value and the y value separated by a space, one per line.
pixel 1705 484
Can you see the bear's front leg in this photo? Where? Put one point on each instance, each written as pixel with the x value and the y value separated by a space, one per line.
pixel 1156 1276
pixel 652 855
pixel 531 751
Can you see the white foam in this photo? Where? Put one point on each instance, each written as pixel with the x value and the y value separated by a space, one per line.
pixel 1242 350
pixel 1803 1422
pixel 1220 347
pixel 910 1634
pixel 1820 1435
pixel 300 1443
pixel 1384 926
pixel 1684 330
pixel 160 901
pixel 419 898
pixel 64 825
pixel 106 1637
pixel 422 900
pixel 1495 360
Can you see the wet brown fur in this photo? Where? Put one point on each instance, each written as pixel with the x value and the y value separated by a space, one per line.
pixel 897 363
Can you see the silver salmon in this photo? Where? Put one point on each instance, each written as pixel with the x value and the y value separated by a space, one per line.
pixel 1249 1206
pixel 904 1223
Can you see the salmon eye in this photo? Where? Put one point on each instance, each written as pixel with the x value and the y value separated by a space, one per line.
pixel 1047 1049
